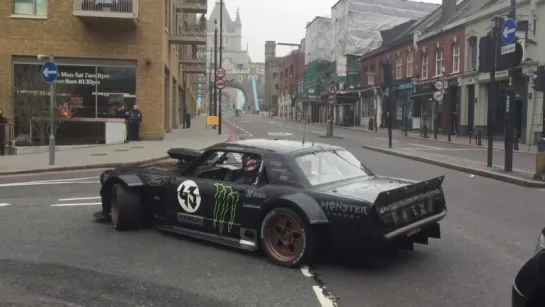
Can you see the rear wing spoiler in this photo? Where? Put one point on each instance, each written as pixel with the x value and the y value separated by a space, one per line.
pixel 184 154
pixel 391 199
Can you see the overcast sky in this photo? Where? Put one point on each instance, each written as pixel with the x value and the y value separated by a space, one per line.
pixel 278 20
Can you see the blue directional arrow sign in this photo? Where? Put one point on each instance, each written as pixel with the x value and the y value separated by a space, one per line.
pixel 508 31
pixel 49 72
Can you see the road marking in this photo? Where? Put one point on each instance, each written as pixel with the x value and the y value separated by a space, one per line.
pixel 325 298
pixel 384 139
pixel 425 146
pixel 279 133
pixel 51 182
pixel 317 132
pixel 4 204
pixel 76 204
pixel 289 127
pixel 79 198
pixel 322 299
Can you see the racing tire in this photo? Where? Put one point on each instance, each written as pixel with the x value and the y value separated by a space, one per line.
pixel 126 208
pixel 286 238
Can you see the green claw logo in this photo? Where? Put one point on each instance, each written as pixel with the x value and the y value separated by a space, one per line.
pixel 226 203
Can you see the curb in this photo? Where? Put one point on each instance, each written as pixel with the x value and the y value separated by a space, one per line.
pixel 85 167
pixel 422 139
pixel 483 173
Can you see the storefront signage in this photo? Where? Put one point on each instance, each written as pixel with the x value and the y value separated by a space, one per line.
pixel 426 87
pixel 77 78
pixel 403 86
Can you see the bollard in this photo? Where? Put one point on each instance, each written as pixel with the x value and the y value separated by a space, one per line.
pixel 515 140
pixel 478 138
pixel 540 160
pixel 470 134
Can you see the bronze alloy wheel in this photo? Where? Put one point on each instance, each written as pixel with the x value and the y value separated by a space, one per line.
pixel 114 208
pixel 284 237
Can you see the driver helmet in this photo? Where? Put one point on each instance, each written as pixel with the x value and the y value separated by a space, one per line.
pixel 250 162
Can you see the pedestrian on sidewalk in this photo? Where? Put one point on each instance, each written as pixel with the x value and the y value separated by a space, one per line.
pixel 187 118
pixel 3 124
pixel 134 120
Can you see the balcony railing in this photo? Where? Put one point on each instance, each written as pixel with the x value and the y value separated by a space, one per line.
pixel 192 6
pixel 197 28
pixel 124 9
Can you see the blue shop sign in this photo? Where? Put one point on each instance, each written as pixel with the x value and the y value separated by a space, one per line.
pixel 404 86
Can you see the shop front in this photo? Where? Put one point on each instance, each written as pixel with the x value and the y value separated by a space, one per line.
pixel 425 110
pixel 347 109
pixel 404 105
pixel 367 108
pixel 91 98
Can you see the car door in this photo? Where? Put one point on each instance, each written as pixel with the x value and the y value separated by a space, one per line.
pixel 208 205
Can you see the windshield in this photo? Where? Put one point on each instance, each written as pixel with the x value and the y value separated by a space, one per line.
pixel 330 166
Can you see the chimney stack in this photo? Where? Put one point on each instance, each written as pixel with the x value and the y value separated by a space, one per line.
pixel 448 8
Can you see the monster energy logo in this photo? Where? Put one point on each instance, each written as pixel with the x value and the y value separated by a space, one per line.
pixel 225 207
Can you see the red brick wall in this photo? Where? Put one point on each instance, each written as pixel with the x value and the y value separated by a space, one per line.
pixel 297 59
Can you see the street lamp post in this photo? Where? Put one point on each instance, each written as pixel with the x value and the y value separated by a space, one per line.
pixel 221 56
pixel 52 95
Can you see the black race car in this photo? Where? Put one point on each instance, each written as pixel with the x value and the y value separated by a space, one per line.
pixel 299 195
pixel 529 287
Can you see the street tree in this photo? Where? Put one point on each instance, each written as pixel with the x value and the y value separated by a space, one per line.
pixel 31 105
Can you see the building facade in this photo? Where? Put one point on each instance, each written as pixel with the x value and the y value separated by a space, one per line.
pixel 427 62
pixel 119 55
pixel 272 85
pixel 291 70
pixel 475 84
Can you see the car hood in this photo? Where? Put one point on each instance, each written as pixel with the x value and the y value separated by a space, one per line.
pixel 368 188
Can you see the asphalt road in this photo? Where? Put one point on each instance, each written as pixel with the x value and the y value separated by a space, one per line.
pixel 489 232
pixel 53 255
pixel 522 161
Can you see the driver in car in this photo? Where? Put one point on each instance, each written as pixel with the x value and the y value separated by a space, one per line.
pixel 250 169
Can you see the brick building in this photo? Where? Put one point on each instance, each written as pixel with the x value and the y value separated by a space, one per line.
pixel 421 53
pixel 108 55
pixel 291 71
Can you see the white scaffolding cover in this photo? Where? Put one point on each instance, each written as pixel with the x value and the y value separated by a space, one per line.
pixel 357 23
pixel 318 38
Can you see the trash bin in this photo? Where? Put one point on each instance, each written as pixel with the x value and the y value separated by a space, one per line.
pixel 371 125
pixel 540 160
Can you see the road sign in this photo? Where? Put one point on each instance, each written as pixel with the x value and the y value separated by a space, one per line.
pixel 439 85
pixel 331 99
pixel 220 73
pixel 220 84
pixel 508 48
pixel 438 96
pixel 332 89
pixel 49 72
pixel 508 31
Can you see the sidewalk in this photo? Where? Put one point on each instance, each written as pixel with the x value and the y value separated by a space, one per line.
pixel 467 166
pixel 197 137
pixel 464 140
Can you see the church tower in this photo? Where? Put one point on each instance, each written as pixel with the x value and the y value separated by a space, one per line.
pixel 238 32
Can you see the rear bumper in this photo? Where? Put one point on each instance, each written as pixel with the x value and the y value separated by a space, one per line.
pixel 420 224
pixel 517 299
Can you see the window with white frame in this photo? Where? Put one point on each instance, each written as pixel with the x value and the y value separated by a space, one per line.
pixel 425 67
pixel 30 7
pixel 472 53
pixel 439 62
pixel 455 57
pixel 410 64
pixel 399 68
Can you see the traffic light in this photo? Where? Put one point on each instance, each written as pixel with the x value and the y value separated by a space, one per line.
pixel 539 79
